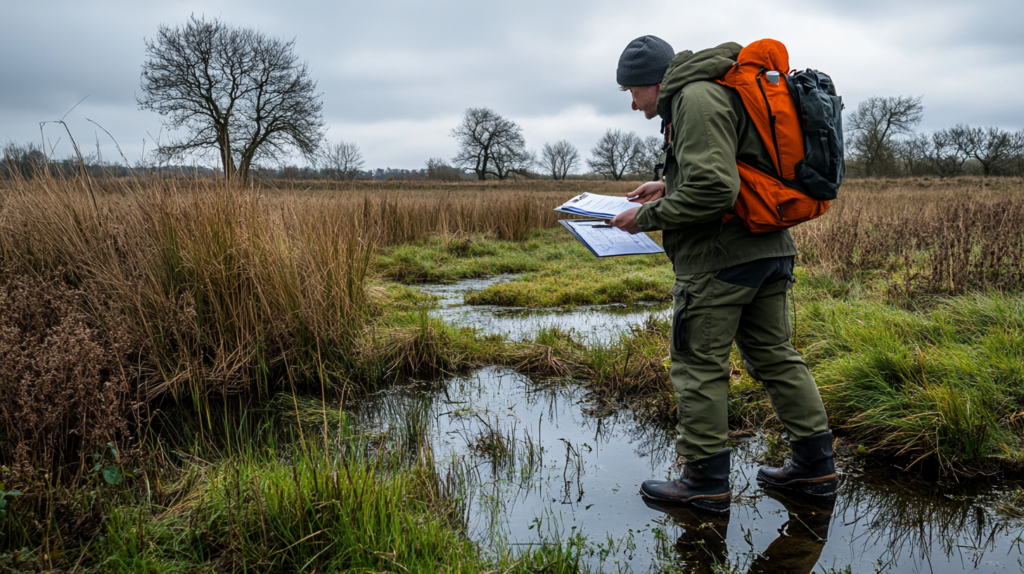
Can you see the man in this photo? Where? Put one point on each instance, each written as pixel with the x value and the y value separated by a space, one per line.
pixel 731 285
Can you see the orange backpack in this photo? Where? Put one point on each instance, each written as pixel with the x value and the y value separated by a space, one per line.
pixel 789 110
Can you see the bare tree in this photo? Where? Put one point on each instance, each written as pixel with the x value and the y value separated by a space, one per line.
pixel 490 145
pixel 1018 159
pixel 439 170
pixel 874 126
pixel 510 161
pixel 559 159
pixel 912 153
pixel 647 155
pixel 948 151
pixel 24 161
pixel 341 160
pixel 615 154
pixel 236 92
pixel 993 149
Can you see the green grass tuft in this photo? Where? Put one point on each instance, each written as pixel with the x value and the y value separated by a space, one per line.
pixel 944 383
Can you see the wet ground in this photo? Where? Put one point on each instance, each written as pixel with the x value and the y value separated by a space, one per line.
pixel 593 324
pixel 537 465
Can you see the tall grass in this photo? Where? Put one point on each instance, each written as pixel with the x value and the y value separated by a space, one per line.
pixel 216 290
pixel 228 288
pixel 922 237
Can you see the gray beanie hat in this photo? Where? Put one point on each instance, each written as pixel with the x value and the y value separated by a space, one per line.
pixel 644 61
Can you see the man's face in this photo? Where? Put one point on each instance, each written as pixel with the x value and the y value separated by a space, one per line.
pixel 645 99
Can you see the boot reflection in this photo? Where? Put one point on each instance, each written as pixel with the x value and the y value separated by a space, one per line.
pixel 702 544
pixel 801 538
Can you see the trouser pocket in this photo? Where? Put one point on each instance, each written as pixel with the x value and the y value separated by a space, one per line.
pixel 680 301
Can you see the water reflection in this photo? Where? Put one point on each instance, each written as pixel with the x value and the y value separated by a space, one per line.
pixel 534 464
pixel 591 324
pixel 914 521
pixel 702 547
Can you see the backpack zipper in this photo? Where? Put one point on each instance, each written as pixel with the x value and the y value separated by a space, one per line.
pixel 771 123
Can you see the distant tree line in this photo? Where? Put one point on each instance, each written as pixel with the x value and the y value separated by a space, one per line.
pixel 339 161
pixel 30 161
pixel 306 172
pixel 881 142
pixel 493 147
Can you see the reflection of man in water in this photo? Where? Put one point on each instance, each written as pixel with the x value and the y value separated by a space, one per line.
pixel 731 284
pixel 801 539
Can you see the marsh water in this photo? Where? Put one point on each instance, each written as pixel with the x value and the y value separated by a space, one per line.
pixel 593 324
pixel 539 464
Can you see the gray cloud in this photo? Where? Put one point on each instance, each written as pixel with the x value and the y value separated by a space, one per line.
pixel 396 76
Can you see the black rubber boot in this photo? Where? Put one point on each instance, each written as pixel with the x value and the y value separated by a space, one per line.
pixel 811 469
pixel 704 483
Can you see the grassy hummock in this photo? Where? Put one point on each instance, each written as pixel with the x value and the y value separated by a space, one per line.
pixel 943 383
pixel 315 512
pixel 556 270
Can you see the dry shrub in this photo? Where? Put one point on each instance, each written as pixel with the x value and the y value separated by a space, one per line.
pixel 63 385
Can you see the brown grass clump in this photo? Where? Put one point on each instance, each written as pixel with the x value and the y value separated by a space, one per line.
pixel 217 287
pixel 207 290
pixel 65 388
pixel 227 289
pixel 210 290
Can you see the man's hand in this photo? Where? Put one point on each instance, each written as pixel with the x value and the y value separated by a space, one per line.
pixel 649 191
pixel 626 221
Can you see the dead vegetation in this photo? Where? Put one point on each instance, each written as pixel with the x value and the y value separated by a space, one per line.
pixel 922 237
pixel 64 380
pixel 187 289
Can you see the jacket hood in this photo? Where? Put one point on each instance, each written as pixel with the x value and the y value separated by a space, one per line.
pixel 687 67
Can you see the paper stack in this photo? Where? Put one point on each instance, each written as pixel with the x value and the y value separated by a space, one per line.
pixel 594 205
pixel 606 241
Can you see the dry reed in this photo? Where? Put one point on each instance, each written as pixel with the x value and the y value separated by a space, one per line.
pixel 206 290
pixel 922 237
pixel 209 290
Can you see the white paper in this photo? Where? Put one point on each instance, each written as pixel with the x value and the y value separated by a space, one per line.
pixel 594 205
pixel 606 241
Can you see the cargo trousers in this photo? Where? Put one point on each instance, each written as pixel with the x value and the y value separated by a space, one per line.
pixel 747 304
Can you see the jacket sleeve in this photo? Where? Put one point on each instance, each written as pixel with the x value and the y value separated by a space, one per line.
pixel 705 149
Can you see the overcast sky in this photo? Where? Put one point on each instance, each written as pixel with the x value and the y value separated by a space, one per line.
pixel 397 76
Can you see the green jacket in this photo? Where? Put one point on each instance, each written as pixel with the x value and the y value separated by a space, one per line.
pixel 710 131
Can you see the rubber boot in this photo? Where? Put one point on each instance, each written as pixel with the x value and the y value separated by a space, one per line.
pixel 811 468
pixel 704 483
